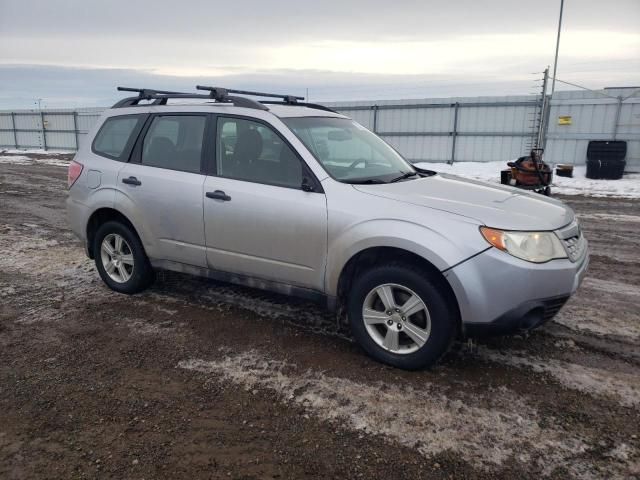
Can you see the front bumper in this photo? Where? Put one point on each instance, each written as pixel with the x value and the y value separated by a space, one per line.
pixel 524 317
pixel 498 293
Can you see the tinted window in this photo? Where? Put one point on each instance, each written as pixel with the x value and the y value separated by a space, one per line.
pixel 254 152
pixel 114 134
pixel 174 142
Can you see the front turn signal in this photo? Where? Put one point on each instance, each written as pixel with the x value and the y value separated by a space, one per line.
pixel 494 237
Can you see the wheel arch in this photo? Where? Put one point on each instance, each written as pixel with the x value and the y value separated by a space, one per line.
pixel 99 217
pixel 380 255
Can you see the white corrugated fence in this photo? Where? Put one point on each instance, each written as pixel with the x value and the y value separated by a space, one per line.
pixel 436 130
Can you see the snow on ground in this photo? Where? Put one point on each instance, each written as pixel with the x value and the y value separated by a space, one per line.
pixel 423 418
pixel 622 386
pixel 627 187
pixel 37 151
pixel 22 160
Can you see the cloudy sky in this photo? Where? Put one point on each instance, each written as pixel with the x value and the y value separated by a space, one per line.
pixel 74 52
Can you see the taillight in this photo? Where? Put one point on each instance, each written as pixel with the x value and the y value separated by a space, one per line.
pixel 75 169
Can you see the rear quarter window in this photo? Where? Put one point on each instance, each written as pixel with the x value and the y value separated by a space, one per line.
pixel 116 136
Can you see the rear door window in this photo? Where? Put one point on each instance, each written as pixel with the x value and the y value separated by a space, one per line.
pixel 116 136
pixel 174 142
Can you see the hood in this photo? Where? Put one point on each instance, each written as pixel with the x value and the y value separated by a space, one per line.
pixel 496 206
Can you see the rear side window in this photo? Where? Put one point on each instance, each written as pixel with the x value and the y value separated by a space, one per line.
pixel 115 136
pixel 174 142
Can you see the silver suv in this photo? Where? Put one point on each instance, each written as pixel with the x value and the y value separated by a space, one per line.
pixel 295 198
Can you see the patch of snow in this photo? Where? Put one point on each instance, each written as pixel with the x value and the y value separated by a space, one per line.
pixel 627 187
pixel 611 216
pixel 609 286
pixel 623 387
pixel 144 327
pixel 37 151
pixel 22 160
pixel 16 159
pixel 424 419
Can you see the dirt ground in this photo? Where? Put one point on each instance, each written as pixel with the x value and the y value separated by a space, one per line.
pixel 195 379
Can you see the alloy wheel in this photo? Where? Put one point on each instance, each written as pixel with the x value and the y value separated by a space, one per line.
pixel 117 258
pixel 396 318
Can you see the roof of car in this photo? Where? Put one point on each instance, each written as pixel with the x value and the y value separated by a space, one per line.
pixel 287 111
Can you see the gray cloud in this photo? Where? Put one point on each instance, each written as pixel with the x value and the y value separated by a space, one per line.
pixel 77 51
pixel 292 20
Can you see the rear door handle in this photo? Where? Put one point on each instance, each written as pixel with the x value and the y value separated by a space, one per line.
pixel 131 181
pixel 219 195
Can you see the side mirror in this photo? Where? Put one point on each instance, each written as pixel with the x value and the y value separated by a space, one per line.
pixel 307 186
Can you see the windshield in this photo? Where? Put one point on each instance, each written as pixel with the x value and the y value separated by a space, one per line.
pixel 348 151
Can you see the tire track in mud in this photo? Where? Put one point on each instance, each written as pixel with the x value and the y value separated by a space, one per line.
pixel 46 276
pixel 55 267
pixel 614 384
pixel 604 307
pixel 422 418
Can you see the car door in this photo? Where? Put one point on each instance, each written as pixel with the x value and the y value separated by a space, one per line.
pixel 259 220
pixel 162 187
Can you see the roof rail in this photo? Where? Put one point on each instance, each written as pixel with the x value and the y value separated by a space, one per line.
pixel 315 106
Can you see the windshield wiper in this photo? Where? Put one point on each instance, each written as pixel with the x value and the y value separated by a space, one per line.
pixel 403 176
pixel 366 181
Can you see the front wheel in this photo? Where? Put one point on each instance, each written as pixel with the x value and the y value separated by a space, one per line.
pixel 401 316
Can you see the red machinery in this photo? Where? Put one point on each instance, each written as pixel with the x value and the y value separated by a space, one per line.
pixel 529 172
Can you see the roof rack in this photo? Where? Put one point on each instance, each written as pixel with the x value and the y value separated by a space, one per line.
pixel 218 94
pixel 160 97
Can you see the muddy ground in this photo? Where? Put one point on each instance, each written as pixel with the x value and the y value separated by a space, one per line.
pixel 195 379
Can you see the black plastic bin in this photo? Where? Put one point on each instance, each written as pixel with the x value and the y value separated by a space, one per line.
pixel 606 159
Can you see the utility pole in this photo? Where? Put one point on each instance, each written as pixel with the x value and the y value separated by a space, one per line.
pixel 544 112
pixel 555 62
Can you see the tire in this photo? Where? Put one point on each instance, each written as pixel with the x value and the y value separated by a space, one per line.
pixel 131 271
pixel 437 322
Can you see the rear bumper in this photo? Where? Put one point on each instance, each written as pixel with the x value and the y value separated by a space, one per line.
pixel 498 293
pixel 77 216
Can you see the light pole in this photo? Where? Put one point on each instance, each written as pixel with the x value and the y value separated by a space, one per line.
pixel 555 62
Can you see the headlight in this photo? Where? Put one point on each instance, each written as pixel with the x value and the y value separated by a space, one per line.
pixel 537 247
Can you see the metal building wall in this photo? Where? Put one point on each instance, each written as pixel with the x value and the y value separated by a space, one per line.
pixel 437 130
pixel 500 128
pixel 60 129
pixel 594 116
pixel 451 129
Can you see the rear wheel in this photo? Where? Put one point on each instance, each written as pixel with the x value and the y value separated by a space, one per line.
pixel 120 258
pixel 401 317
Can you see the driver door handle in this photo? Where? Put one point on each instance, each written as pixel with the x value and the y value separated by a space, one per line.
pixel 219 195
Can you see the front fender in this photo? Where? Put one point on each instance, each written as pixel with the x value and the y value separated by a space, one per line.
pixel 441 251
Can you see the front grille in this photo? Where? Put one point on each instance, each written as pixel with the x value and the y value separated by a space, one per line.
pixel 573 240
pixel 551 307
pixel 575 247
